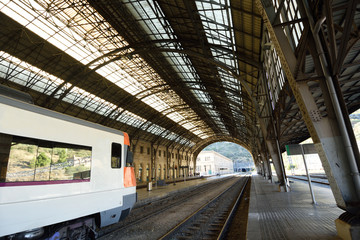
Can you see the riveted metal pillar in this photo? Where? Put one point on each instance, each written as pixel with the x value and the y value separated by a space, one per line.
pixel 326 131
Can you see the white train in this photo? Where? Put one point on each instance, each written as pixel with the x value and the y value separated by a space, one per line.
pixel 60 177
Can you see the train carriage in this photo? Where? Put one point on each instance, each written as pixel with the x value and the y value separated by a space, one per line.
pixel 55 168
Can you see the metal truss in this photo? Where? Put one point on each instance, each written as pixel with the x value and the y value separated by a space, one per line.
pixel 178 73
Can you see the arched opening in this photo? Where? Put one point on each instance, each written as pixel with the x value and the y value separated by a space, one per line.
pixel 159 172
pixel 164 172
pixel 223 158
pixel 140 173
pixel 191 168
pixel 147 172
pixel 175 171
pixel 355 122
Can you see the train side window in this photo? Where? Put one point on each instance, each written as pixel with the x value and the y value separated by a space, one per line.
pixel 17 166
pixel 70 162
pixel 42 161
pixel 116 155
pixel 5 145
pixel 26 159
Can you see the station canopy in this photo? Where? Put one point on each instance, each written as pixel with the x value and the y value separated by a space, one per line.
pixel 176 73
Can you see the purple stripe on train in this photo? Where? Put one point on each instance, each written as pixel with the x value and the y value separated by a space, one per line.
pixel 15 184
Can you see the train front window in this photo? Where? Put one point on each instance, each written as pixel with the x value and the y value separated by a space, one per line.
pixel 25 159
pixel 116 155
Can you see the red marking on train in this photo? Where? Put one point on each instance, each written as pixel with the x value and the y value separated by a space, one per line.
pixel 129 177
pixel 126 139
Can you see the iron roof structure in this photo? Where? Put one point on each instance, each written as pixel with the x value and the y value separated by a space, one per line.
pixel 176 73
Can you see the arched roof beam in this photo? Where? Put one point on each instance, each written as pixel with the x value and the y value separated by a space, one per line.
pixel 194 54
pixel 212 61
pixel 129 48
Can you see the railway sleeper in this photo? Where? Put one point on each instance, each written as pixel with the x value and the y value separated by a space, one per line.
pixel 194 229
pixel 211 234
pixel 184 237
pixel 214 229
pixel 216 224
pixel 187 233
pixel 202 220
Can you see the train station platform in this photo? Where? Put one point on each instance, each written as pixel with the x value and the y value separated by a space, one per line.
pixel 279 215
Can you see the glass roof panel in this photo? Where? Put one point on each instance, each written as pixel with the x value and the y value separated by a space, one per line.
pixel 148 14
pixel 76 30
pixel 218 27
pixel 22 73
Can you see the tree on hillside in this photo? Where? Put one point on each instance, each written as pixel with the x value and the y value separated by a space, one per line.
pixel 230 150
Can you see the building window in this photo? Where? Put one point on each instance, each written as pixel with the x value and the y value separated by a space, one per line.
pixel 148 151
pixel 141 149
pixel 159 153
pixel 164 154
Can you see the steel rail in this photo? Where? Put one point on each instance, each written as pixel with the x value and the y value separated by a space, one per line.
pixel 314 181
pixel 174 230
pixel 232 213
pixel 105 232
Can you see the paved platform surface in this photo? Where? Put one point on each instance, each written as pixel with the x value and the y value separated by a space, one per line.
pixel 279 215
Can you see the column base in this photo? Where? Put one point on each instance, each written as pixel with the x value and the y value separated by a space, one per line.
pixel 282 188
pixel 348 226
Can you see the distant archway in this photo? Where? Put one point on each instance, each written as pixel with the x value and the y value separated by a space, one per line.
pixel 223 158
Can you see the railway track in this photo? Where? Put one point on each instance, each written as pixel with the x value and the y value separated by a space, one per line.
pixel 152 210
pixel 312 180
pixel 212 219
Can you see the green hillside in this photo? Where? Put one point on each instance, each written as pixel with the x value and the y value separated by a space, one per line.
pixel 355 121
pixel 230 150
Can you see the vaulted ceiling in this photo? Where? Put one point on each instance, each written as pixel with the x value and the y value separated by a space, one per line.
pixel 172 72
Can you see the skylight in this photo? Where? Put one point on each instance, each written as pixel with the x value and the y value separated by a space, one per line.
pixel 76 30
pixel 22 73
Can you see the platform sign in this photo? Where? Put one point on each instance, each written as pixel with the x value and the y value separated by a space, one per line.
pixel 295 149
pixel 302 149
